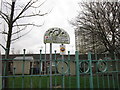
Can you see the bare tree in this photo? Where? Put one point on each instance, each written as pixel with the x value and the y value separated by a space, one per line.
pixel 100 22
pixel 16 16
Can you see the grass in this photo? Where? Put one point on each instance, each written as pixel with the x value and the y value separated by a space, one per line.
pixel 69 82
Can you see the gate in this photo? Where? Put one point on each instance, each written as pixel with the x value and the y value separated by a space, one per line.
pixel 68 71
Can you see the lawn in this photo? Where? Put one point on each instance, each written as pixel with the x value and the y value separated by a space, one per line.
pixel 66 81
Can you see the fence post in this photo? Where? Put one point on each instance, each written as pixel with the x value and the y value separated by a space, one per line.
pixel 0 71
pixel 69 73
pixel 50 67
pixel 23 67
pixel 40 67
pixel 55 69
pixel 90 67
pixel 116 64
pixel 77 69
pixel 5 71
pixel 63 73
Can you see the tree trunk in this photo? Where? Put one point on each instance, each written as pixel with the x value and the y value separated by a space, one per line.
pixel 10 26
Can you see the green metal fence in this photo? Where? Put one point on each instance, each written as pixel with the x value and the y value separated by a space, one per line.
pixel 67 72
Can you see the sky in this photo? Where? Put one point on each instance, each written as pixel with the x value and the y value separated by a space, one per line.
pixel 62 11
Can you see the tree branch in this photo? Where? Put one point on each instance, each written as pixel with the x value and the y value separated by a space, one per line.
pixel 21 36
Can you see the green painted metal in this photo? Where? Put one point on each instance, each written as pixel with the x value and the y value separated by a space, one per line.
pixel 0 71
pixel 50 66
pixel 117 70
pixel 55 61
pixel 77 69
pixel 23 65
pixel 13 77
pixel 40 68
pixel 108 81
pixel 91 72
pixel 31 81
pixel 90 66
pixel 4 71
pixel 69 69
pixel 63 73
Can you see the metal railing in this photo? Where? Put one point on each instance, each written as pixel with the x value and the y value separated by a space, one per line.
pixel 67 72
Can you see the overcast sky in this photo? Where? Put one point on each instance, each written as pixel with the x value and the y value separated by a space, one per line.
pixel 62 11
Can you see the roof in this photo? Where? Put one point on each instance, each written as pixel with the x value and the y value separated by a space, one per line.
pixel 29 58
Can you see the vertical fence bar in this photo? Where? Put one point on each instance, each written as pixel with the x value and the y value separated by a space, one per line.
pixel 103 79
pixel 4 73
pixel 63 76
pixel 40 62
pixel 108 78
pixel 77 69
pixel 108 81
pixel 45 62
pixel 90 66
pixel 84 75
pixel 23 68
pixel 98 85
pixel 116 69
pixel 14 77
pixel 31 83
pixel 50 65
pixel 69 73
pixel 113 70
pixel 5 70
pixel 55 69
pixel 0 71
pixel 97 70
pixel 113 76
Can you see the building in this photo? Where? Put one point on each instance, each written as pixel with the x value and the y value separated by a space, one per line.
pixel 20 61
pixel 81 43
pixel 37 64
pixel 86 41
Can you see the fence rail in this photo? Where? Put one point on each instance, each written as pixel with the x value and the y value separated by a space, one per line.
pixel 67 72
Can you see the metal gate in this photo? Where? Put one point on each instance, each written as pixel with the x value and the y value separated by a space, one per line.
pixel 68 71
